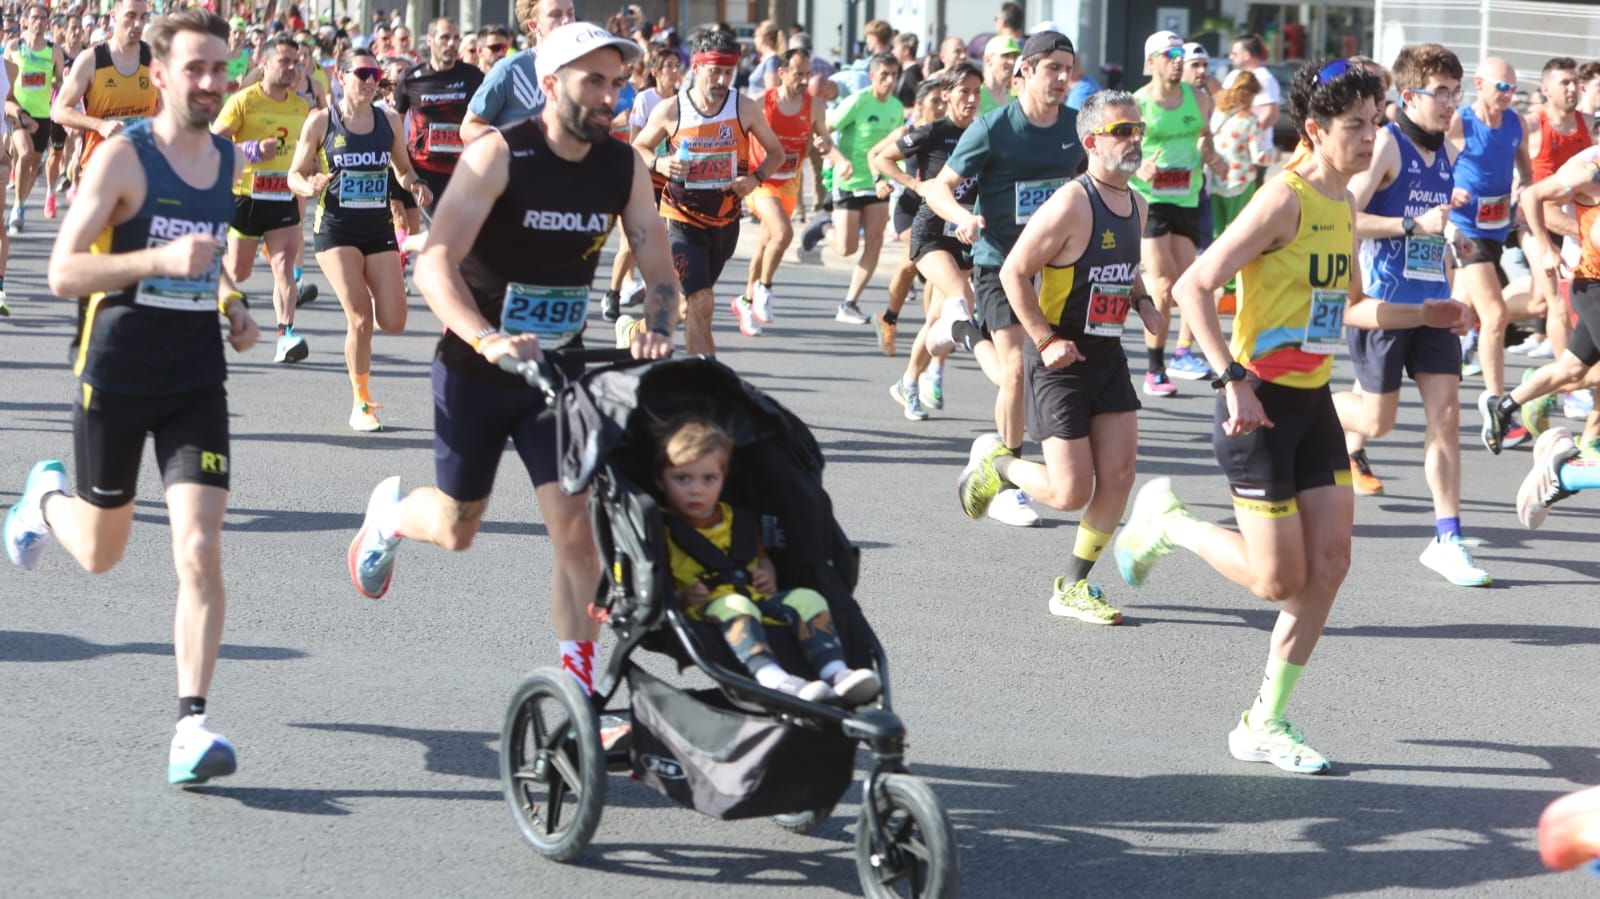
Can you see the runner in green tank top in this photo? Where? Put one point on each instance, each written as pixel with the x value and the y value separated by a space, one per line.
pixel 1177 142
pixel 38 75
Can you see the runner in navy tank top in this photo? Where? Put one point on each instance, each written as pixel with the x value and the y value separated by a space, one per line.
pixel 1404 199
pixel 507 269
pixel 1491 145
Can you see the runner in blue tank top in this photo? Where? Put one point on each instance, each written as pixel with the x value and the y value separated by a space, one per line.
pixel 1490 145
pixel 1403 201
pixel 144 243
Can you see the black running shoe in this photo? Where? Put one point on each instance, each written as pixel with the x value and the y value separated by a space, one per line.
pixel 966 334
pixel 611 306
pixel 1495 422
pixel 813 234
pixel 308 292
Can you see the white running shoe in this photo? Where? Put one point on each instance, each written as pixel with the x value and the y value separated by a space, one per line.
pixel 26 533
pixel 1541 486
pixel 850 314
pixel 941 337
pixel 761 304
pixel 1452 560
pixel 1525 347
pixel 1545 350
pixel 197 754
pixel 1577 404
pixel 1011 506
pixel 633 293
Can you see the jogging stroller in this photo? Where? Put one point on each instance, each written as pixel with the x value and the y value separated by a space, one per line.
pixel 738 750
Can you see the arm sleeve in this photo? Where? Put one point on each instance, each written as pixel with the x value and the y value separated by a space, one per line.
pixel 971 150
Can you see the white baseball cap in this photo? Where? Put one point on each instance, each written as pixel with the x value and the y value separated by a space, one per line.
pixel 573 41
pixel 1195 50
pixel 1160 42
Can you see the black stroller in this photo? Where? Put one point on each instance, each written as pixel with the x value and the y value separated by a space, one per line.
pixel 738 750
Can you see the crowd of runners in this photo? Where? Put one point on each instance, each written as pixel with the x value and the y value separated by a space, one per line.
pixel 1409 228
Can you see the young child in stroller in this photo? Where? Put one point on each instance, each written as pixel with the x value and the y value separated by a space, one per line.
pixel 723 574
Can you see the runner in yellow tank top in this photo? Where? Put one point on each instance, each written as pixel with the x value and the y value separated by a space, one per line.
pixel 1277 436
pixel 111 79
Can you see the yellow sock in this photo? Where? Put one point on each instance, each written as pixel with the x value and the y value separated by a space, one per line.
pixel 358 384
pixel 1086 550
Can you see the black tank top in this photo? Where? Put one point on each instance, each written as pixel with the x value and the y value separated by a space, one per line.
pixel 358 195
pixel 159 336
pixel 1087 302
pixel 535 257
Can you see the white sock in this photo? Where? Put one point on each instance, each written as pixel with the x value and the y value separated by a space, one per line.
pixel 834 670
pixel 577 659
pixel 1184 530
pixel 770 676
pixel 388 521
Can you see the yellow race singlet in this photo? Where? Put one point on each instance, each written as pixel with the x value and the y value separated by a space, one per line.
pixel 113 95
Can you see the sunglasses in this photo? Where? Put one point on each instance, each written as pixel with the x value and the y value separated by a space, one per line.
pixel 1503 86
pixel 367 73
pixel 495 48
pixel 1330 72
pixel 1174 53
pixel 1121 129
pixel 1443 96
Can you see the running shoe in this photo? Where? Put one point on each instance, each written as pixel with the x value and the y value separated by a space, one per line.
pixel 1011 507
pixel 810 691
pixel 941 336
pixel 304 293
pixel 364 418
pixel 748 326
pixel 814 232
pixel 1536 412
pixel 1527 346
pixel 1190 367
pixel 26 533
pixel 1470 366
pixel 1545 350
pixel 1363 481
pixel 1143 540
pixel 626 325
pixel 291 348
pixel 1278 742
pixel 857 686
pixel 4 309
pixel 931 388
pixel 1082 601
pixel 910 401
pixel 1159 384
pixel 887 332
pixel 1517 436
pixel 14 225
pixel 1590 452
pixel 761 304
pixel 1451 559
pixel 611 305
pixel 1495 423
pixel 616 733
pixel 1541 487
pixel 50 205
pixel 197 754
pixel 979 482
pixel 849 313
pixel 966 334
pixel 1577 404
pixel 371 557
pixel 633 293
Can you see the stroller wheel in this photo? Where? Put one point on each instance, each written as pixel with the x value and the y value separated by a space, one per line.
pixel 551 765
pixel 913 852
pixel 803 822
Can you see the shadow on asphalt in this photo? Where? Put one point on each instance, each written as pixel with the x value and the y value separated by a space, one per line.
pixel 35 646
pixel 1264 618
pixel 328 802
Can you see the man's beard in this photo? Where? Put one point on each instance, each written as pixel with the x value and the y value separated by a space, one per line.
pixel 576 120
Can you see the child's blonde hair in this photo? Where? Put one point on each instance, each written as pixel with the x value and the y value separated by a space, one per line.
pixel 690 438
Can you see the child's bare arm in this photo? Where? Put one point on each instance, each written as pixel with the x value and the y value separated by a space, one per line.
pixel 763 575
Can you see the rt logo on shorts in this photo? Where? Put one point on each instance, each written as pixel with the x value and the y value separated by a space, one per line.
pixel 213 463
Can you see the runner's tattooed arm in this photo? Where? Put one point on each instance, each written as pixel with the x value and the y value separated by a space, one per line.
pixel 641 222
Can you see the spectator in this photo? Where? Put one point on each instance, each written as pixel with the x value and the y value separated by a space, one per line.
pixel 494 42
pixel 1082 85
pixel 1008 22
pixel 770 44
pixel 1249 54
pixel 911 74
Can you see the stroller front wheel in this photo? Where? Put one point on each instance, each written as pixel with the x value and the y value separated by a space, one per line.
pixel 912 852
pixel 551 765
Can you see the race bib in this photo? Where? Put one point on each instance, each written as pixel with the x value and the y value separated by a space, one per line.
pixel 1171 182
pixel 1425 257
pixel 554 314
pixel 1494 212
pixel 444 137
pixel 364 190
pixel 708 171
pixel 1032 194
pixel 34 80
pixel 1325 324
pixel 1108 309
pixel 181 294
pixel 270 186
pixel 950 229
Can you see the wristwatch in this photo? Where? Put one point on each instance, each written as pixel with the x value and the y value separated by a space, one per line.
pixel 1408 224
pixel 1234 372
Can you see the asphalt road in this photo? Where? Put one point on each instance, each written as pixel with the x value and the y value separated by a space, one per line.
pixel 1072 759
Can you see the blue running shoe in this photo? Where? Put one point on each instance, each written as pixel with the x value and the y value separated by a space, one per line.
pixel 371 557
pixel 26 533
pixel 1190 367
pixel 197 754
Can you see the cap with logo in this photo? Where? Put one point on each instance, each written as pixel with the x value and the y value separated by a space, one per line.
pixel 1195 50
pixel 569 43
pixel 1161 42
pixel 1001 45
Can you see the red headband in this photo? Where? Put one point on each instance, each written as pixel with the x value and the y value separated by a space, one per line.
pixel 709 58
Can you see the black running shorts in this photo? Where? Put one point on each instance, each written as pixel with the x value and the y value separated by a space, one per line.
pixel 254 218
pixel 922 244
pixel 108 431
pixel 1062 401
pixel 1380 357
pixel 1185 221
pixel 699 254
pixel 472 419
pixel 993 309
pixel 1585 303
pixel 1303 450
pixel 371 240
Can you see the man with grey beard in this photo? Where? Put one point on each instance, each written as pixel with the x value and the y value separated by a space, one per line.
pixel 1083 246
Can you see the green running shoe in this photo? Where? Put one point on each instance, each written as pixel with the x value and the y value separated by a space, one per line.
pixel 1536 412
pixel 1082 601
pixel 1143 539
pixel 1590 452
pixel 980 481
pixel 1279 743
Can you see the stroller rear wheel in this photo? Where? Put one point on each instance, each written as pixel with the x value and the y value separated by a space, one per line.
pixel 803 822
pixel 913 852
pixel 551 765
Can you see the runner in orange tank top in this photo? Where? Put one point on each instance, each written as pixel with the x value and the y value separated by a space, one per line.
pixel 798 122
pixel 111 79
pixel 1556 133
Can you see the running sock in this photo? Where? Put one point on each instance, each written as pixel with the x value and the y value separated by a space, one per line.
pixel 1359 460
pixel 2 282
pixel 1185 530
pixel 298 274
pixel 767 673
pixel 1578 474
pixel 890 317
pixel 1507 405
pixel 1156 358
pixel 831 671
pixel 191 705
pixel 1276 687
pixel 360 386
pixel 1086 550
pixel 577 659
pixel 1448 527
pixel 284 329
pixel 400 236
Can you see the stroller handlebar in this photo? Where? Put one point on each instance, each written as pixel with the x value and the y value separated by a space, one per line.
pixel 543 374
